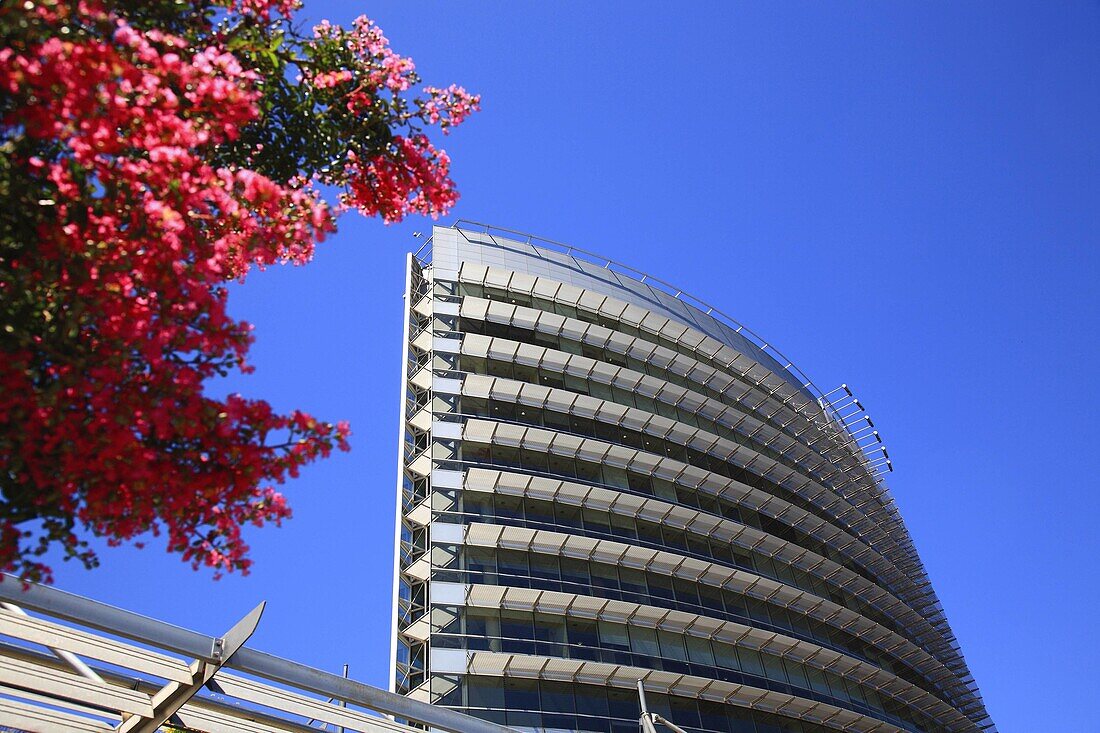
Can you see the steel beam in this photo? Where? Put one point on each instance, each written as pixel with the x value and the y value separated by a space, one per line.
pixel 173 696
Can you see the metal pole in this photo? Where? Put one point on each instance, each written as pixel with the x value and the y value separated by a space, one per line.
pixel 644 721
pixel 343 703
pixel 68 657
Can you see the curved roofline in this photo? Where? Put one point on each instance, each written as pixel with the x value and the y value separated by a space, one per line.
pixel 654 282
pixel 800 377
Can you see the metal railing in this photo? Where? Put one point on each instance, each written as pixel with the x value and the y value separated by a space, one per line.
pixel 45 684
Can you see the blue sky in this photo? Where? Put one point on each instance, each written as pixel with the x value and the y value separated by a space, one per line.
pixel 901 196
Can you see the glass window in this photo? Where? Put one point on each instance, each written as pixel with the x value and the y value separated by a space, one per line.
pixel 622 526
pixel 675 538
pixel 721 552
pixel 484 692
pixel 614 476
pixel 535 461
pixel 750 662
pixel 603 576
pixel 509 506
pixel 686 590
pixel 660 586
pixel 475 624
pixel 476 452
pixel 590 700
pixel 633 580
pixel 596 521
pixel 758 610
pixel 480 559
pixel 817 681
pixel 577 384
pixel 608 432
pixel 520 694
pixel 568 346
pixel 556 421
pixel 506 456
pixel 539 511
pixel 614 636
pixel 699 651
pixel 524 719
pixel 726 655
pixel 546 339
pixel 672 646
pixel 557 697
pixel 796 673
pixel 588 472
pixel 583 632
pixel 561 465
pixel 740 722
pixel 446 620
pixel 478 504
pixel 773 668
pixel 685 712
pixel 574 570
pixel 516 625
pixel 664 490
pixel 622 703
pixel 525 373
pixel 554 381
pixel 592 352
pixel 512 563
pixel 601 391
pixel 644 641
pixel 712 716
pixel 649 531
pixel 698 545
pixel 502 411
pixel 641 484
pixel 474 406
pixel 544 566
pixel 446 692
pixel 499 369
pixel 710 597
pixel 581 425
pixel 549 628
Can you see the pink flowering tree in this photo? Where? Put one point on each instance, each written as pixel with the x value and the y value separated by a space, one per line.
pixel 153 151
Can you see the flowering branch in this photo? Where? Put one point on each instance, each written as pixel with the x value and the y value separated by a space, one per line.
pixel 150 154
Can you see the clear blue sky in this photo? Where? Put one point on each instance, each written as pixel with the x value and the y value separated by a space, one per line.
pixel 901 196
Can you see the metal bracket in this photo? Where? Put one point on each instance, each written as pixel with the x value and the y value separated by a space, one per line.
pixel 173 696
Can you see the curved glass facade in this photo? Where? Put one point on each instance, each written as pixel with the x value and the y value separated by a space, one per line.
pixel 603 480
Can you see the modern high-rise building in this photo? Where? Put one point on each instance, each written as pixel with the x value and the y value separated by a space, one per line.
pixel 604 480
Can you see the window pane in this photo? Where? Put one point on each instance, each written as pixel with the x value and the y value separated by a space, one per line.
pixel 557 697
pixel 591 701
pixel 672 646
pixel 583 632
pixel 520 694
pixel 699 651
pixel 516 625
pixel 484 692
pixel 644 641
pixel 750 662
pixel 614 636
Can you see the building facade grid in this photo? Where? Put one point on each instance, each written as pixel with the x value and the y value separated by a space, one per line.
pixel 602 479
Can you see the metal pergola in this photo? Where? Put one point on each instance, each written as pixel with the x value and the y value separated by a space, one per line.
pixel 142 673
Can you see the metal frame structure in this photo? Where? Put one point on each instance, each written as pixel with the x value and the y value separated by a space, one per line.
pixel 148 673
